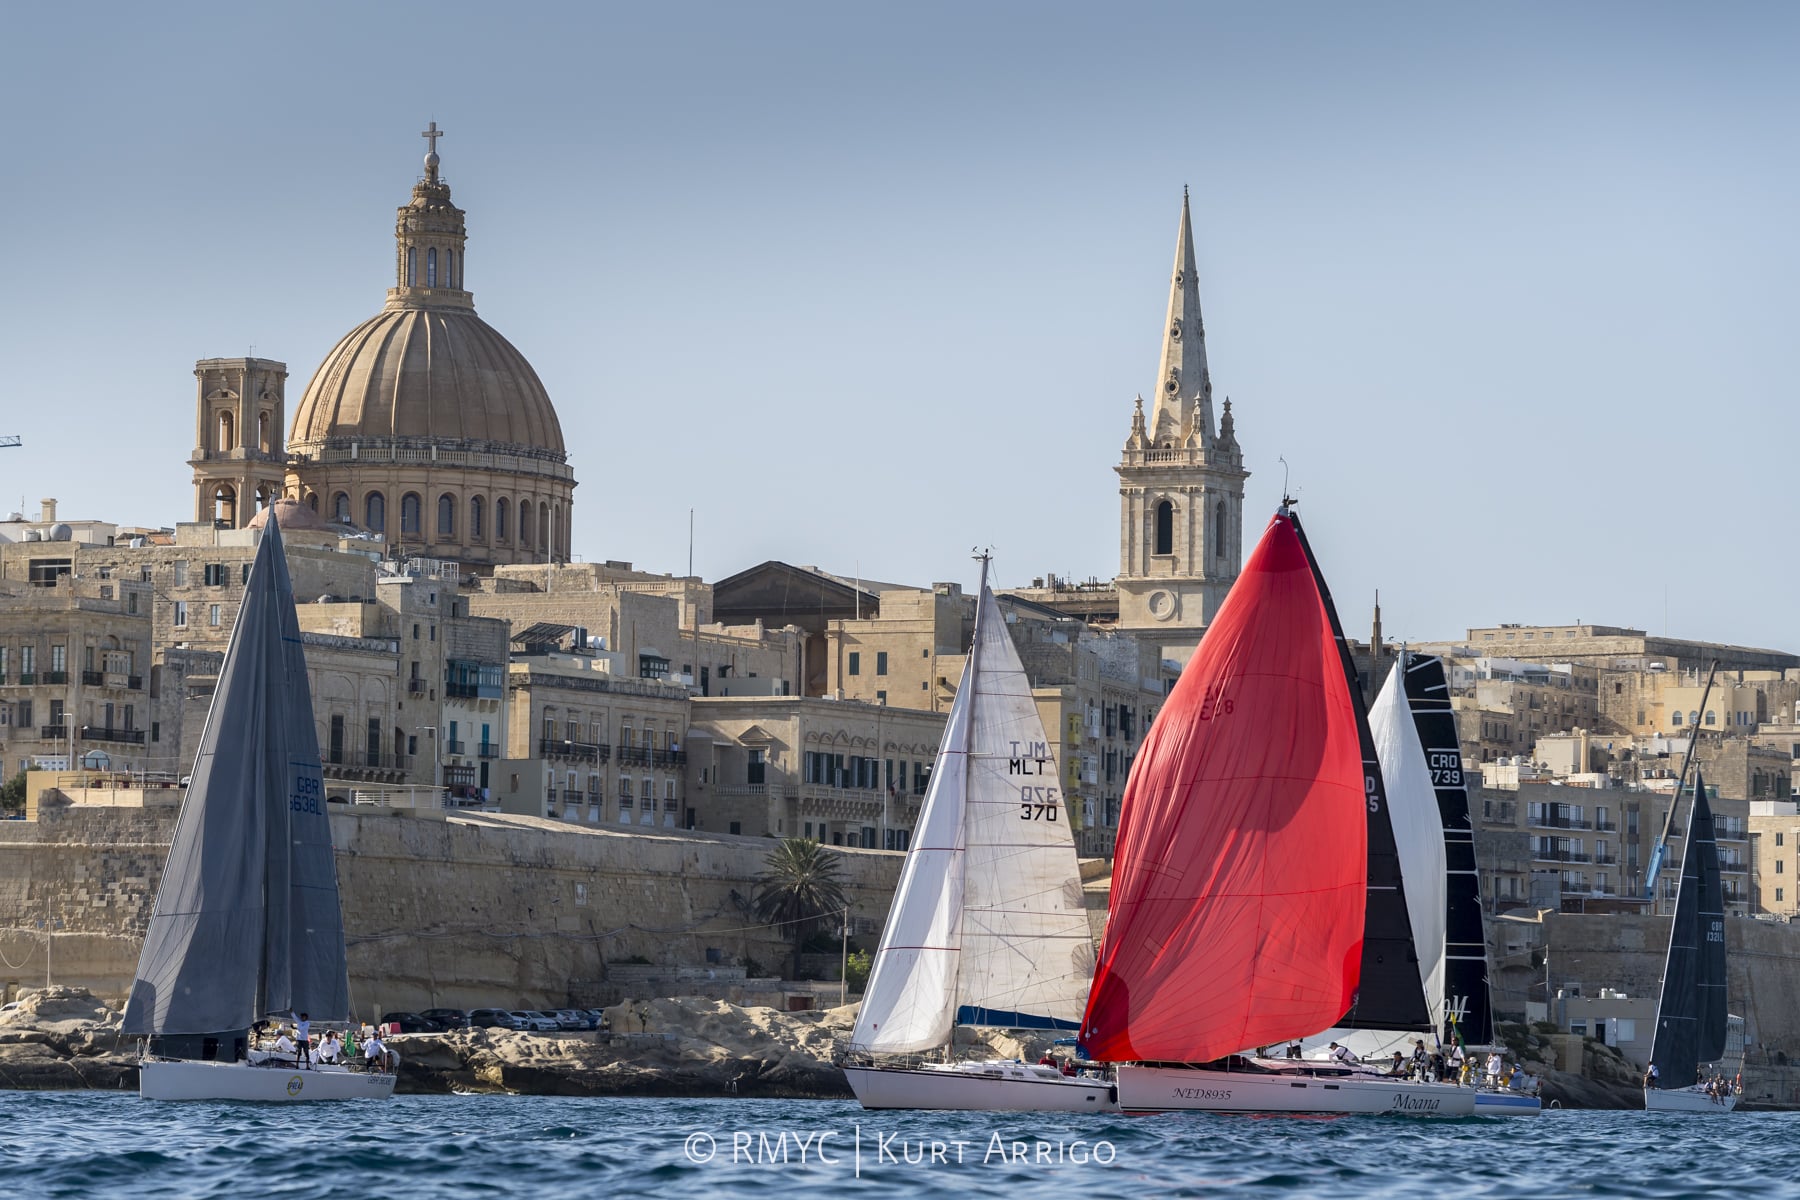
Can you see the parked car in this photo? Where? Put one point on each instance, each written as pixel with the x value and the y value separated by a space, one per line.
pixel 411 1022
pixel 572 1018
pixel 447 1018
pixel 535 1021
pixel 493 1018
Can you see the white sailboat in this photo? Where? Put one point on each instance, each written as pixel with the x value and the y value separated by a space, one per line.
pixel 247 923
pixel 989 926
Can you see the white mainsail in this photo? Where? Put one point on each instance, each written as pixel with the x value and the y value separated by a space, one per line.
pixel 989 925
pixel 1419 838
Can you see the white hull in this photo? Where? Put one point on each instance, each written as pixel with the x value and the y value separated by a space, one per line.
pixel 1686 1100
pixel 980 1087
pixel 1507 1104
pixel 1299 1089
pixel 181 1079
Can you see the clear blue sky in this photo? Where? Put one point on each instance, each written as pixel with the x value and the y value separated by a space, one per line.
pixel 1510 287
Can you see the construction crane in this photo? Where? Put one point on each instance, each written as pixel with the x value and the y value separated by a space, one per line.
pixel 14 440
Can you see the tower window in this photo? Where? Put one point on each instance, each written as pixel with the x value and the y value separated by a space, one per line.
pixel 450 268
pixel 525 524
pixel 543 527
pixel 1219 529
pixel 446 515
pixel 1165 528
pixel 226 440
pixel 412 267
pixel 431 267
pixel 409 513
pixel 340 508
pixel 375 513
pixel 475 518
pixel 500 525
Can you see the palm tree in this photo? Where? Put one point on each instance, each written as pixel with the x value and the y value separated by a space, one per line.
pixel 798 888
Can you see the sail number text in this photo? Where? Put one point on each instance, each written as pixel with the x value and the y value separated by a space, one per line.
pixel 1446 768
pixel 306 795
pixel 1212 704
pixel 1038 803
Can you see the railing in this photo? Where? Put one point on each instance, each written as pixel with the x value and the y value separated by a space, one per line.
pixel 1606 826
pixel 99 733
pixel 462 691
pixel 634 756
pixel 453 747
pixel 566 748
pixel 134 682
pixel 1545 822
pixel 27 677
pixel 93 678
pixel 355 763
pixel 1606 860
pixel 1562 856
pixel 488 750
pixel 416 686
pixel 56 677
pixel 742 789
pixel 52 733
pixel 668 758
pixel 460 776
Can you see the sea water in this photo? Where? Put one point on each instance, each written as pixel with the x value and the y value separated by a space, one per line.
pixel 97 1145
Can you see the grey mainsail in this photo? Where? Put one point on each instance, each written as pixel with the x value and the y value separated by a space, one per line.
pixel 247 921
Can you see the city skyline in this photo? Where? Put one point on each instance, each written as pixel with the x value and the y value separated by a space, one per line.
pixel 866 288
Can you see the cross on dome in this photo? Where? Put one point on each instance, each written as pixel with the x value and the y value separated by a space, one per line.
pixel 431 135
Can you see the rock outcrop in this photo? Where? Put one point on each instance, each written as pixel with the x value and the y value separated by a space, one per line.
pixel 59 1038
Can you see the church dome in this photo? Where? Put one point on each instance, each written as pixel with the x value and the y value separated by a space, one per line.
pixel 423 426
pixel 441 374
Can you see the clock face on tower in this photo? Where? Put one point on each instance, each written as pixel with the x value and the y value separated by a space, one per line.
pixel 1163 605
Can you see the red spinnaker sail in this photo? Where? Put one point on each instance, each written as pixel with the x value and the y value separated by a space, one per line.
pixel 1238 886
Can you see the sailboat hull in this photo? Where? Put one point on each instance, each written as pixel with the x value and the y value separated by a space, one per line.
pixel 1507 1104
pixel 1686 1100
pixel 980 1087
pixel 179 1079
pixel 1304 1090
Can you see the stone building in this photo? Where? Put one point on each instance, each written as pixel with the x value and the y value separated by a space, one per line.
pixel 1181 483
pixel 238 463
pixel 843 772
pixel 586 741
pixel 426 427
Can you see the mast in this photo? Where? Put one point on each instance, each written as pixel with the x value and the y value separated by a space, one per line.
pixel 1662 845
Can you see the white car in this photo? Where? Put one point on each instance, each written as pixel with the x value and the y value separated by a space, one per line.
pixel 535 1021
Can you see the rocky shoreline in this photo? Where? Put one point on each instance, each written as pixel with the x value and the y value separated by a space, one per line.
pixel 65 1038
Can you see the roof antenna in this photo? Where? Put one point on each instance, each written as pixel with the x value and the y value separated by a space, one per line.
pixel 1287 498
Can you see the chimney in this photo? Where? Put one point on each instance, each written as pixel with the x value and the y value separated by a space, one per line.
pixel 49 513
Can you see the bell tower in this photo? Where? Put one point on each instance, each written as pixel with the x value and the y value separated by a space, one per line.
pixel 1181 483
pixel 239 457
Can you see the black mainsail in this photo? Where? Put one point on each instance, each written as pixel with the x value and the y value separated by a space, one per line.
pixel 1389 996
pixel 247 921
pixel 1690 1016
pixel 1466 992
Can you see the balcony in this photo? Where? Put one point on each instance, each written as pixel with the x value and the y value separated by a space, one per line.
pixel 1606 827
pixel 56 677
pixel 491 750
pixel 634 756
pixel 1547 822
pixel 368 766
pixel 1606 860
pixel 26 677
pixel 53 733
pixel 103 733
pixel 1576 856
pixel 459 776
pixel 452 746
pixel 416 686
pixel 461 691
pixel 93 678
pixel 593 752
pixel 668 758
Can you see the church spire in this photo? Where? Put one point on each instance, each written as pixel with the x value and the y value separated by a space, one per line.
pixel 429 237
pixel 1183 414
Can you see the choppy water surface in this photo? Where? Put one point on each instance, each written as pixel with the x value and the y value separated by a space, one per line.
pixel 84 1144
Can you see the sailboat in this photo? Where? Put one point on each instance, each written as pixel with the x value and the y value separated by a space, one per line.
pixel 247 923
pixel 989 927
pixel 1257 896
pixel 1693 1028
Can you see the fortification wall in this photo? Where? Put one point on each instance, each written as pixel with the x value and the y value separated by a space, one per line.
pixel 478 910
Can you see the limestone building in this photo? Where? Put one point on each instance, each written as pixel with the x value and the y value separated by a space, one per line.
pixel 423 426
pixel 1181 483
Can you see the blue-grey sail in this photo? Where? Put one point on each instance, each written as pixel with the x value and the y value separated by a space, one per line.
pixel 247 921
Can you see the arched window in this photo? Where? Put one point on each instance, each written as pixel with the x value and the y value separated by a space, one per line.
pixel 226 440
pixel 450 268
pixel 1219 529
pixel 431 267
pixel 1712 717
pixel 340 508
pixel 412 267
pixel 543 527
pixel 409 513
pixel 501 528
pixel 475 518
pixel 1678 717
pixel 525 514
pixel 375 513
pixel 225 506
pixel 446 515
pixel 264 434
pixel 1165 528
pixel 312 501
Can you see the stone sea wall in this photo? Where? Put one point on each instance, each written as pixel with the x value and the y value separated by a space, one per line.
pixel 475 910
